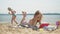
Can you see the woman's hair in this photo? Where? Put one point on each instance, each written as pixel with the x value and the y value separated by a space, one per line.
pixel 37 13
pixel 9 9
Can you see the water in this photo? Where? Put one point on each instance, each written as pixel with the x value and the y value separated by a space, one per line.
pixel 5 18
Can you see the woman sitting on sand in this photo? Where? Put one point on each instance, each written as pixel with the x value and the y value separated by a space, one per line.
pixel 36 19
pixel 23 21
pixel 12 12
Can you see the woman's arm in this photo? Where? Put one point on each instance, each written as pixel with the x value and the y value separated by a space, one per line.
pixel 14 11
pixel 9 13
pixel 40 19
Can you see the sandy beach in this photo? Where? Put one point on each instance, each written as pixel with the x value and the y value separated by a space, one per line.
pixel 5 29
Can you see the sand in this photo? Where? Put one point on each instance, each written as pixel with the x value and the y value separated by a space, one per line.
pixel 5 29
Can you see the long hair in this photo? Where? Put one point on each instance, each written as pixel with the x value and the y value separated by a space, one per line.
pixel 37 13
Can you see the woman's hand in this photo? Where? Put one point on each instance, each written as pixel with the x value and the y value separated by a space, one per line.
pixel 14 11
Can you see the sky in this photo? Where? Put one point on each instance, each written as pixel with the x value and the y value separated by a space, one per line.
pixel 30 6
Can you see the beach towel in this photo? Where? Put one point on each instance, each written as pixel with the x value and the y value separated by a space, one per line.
pixel 50 28
pixel 43 25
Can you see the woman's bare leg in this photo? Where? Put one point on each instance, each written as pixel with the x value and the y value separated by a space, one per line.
pixel 12 21
pixel 15 20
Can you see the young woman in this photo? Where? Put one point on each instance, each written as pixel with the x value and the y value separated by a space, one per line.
pixel 38 15
pixel 12 12
pixel 23 21
pixel 36 19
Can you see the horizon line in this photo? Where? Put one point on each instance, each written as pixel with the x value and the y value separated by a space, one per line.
pixel 44 14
